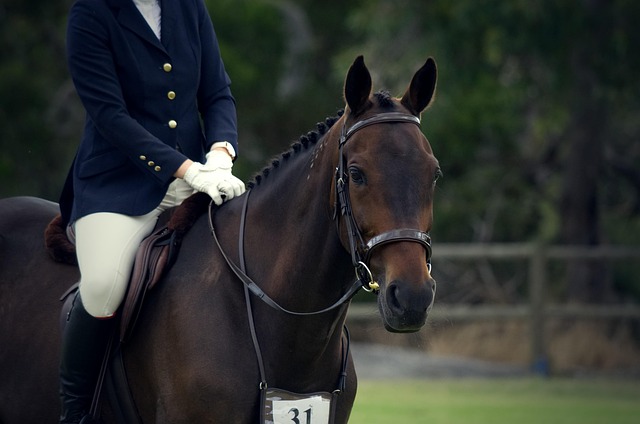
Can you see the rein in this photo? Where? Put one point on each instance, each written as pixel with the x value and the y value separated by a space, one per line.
pixel 361 252
pixel 251 285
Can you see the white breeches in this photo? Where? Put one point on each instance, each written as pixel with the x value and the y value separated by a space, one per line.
pixel 106 244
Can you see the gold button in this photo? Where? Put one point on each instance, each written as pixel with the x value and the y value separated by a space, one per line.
pixel 171 95
pixel 167 67
pixel 157 169
pixel 143 157
pixel 173 124
pixel 151 163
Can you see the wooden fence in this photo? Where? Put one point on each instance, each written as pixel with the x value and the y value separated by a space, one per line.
pixel 536 309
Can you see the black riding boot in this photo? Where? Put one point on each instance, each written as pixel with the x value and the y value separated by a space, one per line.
pixel 84 343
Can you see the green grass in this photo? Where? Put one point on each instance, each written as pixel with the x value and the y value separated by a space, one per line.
pixel 512 401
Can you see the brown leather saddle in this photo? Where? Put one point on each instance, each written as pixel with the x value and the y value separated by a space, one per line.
pixel 153 259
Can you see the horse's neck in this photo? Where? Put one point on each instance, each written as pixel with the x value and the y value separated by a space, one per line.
pixel 291 229
pixel 292 212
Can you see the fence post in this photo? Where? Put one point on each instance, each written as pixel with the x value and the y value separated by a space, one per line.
pixel 537 281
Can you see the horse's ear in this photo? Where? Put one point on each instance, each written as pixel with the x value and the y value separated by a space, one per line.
pixel 422 88
pixel 357 86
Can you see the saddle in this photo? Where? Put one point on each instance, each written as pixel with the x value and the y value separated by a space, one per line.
pixel 154 257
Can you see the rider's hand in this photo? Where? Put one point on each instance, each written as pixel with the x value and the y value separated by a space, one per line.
pixel 215 177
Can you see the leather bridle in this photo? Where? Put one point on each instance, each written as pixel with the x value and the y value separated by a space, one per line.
pixel 360 251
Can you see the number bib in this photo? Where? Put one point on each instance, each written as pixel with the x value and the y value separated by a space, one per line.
pixel 283 407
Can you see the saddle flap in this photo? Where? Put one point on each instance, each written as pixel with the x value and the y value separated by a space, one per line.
pixel 152 260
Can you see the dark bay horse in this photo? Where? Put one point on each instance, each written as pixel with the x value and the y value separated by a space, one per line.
pixel 350 200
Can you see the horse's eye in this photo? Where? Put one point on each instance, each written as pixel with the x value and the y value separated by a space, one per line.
pixel 356 176
pixel 437 176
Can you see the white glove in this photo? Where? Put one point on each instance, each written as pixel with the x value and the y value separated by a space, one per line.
pixel 218 159
pixel 215 177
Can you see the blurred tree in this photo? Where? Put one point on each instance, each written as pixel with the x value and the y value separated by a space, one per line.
pixel 533 120
pixel 598 61
pixel 33 98
pixel 251 37
pixel 536 121
pixel 278 53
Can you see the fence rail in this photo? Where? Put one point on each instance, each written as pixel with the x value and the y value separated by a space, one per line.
pixel 536 310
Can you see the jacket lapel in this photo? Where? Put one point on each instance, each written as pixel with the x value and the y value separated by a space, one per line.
pixel 129 17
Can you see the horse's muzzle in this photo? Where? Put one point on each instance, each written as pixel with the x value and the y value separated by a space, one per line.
pixel 405 307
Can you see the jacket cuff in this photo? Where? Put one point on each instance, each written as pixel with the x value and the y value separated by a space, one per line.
pixel 226 145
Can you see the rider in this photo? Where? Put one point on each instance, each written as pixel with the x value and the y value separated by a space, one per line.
pixel 161 123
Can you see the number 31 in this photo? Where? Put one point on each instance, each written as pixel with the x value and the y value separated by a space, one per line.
pixel 296 413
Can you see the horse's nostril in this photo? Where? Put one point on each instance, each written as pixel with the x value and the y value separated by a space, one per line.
pixel 402 299
pixel 392 298
pixel 405 306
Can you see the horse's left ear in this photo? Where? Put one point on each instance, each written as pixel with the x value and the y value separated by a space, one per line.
pixel 422 88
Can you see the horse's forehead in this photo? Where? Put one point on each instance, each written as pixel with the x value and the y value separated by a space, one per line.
pixel 401 141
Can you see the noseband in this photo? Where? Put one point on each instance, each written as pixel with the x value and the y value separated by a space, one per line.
pixel 361 252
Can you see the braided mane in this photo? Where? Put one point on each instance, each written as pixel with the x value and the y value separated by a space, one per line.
pixel 385 100
pixel 303 143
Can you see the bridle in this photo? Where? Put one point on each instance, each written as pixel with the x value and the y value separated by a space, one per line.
pixel 361 251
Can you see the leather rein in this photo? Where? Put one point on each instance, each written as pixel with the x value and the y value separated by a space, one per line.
pixel 360 251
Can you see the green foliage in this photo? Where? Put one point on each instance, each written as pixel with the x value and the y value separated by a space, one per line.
pixel 522 86
pixel 31 70
pixel 506 96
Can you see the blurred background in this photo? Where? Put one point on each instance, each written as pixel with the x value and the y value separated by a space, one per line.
pixel 536 125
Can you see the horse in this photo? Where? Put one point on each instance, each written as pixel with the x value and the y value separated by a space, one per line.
pixel 351 201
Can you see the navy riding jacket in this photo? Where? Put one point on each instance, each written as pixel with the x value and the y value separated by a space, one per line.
pixel 150 103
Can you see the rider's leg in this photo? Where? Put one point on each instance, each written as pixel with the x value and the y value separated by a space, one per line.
pixel 106 244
